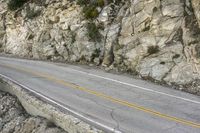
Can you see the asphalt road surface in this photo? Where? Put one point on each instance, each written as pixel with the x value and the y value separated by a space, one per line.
pixel 111 102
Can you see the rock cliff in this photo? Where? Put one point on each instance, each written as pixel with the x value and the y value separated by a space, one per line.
pixel 14 119
pixel 157 39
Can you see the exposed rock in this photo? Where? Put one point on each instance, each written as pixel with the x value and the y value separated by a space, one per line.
pixel 128 30
pixel 111 40
pixel 13 118
pixel 183 73
pixel 193 87
pixel 196 7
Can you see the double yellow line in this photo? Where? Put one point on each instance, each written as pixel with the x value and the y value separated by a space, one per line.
pixel 107 97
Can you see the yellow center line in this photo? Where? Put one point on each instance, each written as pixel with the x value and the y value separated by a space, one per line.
pixel 107 97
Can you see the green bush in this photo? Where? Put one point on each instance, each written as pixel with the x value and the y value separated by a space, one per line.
pixel 15 4
pixel 90 12
pixel 90 7
pixel 153 49
pixel 100 3
pixel 93 32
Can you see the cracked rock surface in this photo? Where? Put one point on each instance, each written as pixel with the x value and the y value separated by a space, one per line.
pixel 157 39
pixel 14 119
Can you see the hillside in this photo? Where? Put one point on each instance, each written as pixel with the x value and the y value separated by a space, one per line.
pixel 155 39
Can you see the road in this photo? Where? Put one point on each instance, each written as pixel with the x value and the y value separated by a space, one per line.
pixel 109 101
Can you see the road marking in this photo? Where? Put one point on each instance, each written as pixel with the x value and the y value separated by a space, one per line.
pixel 107 97
pixel 131 85
pixel 110 129
pixel 136 86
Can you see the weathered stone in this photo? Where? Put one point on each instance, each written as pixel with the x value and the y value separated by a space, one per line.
pixel 111 40
pixel 183 73
pixel 13 118
pixel 196 7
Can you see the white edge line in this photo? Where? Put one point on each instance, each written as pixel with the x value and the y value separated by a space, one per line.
pixel 60 105
pixel 136 86
pixel 132 85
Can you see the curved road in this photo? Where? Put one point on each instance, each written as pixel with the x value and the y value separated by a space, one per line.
pixel 113 102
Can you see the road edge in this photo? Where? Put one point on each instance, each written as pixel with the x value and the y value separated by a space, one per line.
pixel 38 104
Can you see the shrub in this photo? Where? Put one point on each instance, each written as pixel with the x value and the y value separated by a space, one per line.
pixel 89 2
pixel 15 4
pixel 90 12
pixel 96 53
pixel 153 49
pixel 31 13
pixel 90 7
pixel 93 32
pixel 100 3
pixel 83 2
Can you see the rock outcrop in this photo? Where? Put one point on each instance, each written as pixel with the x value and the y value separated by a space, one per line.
pixel 196 7
pixel 157 39
pixel 13 118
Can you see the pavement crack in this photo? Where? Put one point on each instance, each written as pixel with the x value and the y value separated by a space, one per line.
pixel 112 111
pixel 114 119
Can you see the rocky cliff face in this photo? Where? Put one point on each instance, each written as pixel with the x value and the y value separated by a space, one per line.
pixel 14 119
pixel 158 39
